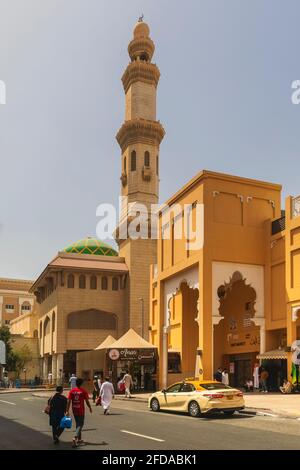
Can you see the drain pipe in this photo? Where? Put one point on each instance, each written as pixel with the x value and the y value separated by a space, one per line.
pixel 165 357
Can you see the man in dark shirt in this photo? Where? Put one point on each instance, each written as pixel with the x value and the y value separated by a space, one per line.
pixel 218 374
pixel 58 406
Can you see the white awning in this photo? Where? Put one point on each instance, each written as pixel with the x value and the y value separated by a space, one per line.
pixel 275 354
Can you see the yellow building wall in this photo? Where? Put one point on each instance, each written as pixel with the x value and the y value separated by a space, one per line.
pixel 292 256
pixel 235 214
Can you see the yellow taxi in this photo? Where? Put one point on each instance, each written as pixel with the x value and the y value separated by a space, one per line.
pixel 198 397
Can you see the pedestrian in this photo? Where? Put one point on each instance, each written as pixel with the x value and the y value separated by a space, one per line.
pixel 287 387
pixel 57 410
pixel 127 380
pixel 225 377
pixel 107 393
pixel 249 385
pixel 218 375
pixel 77 397
pixel 50 378
pixel 96 388
pixel 256 376
pixel 72 381
pixel 100 381
pixel 6 381
pixel 263 380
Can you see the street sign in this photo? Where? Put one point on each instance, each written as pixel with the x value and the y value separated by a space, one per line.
pixel 2 352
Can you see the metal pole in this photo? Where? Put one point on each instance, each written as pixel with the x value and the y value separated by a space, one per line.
pixel 142 301
pixel 142 318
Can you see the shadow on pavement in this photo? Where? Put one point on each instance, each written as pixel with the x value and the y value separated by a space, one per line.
pixel 16 436
pixel 209 417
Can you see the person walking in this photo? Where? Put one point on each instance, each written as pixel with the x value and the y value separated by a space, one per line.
pixel 96 388
pixel 127 380
pixel 218 375
pixel 107 393
pixel 263 380
pixel 72 381
pixel 225 377
pixel 256 376
pixel 58 407
pixel 77 397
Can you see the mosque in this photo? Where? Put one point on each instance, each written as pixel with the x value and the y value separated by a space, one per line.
pixel 232 302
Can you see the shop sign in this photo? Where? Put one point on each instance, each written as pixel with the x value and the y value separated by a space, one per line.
pixel 129 354
pixel 114 354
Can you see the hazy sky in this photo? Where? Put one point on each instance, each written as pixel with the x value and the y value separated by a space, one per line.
pixel 224 99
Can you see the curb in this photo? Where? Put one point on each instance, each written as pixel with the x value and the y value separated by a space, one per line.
pixel 3 392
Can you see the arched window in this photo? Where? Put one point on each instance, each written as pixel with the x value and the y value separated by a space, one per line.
pixel 115 283
pixel 82 282
pixel 133 161
pixel 157 164
pixel 53 322
pixel 147 159
pixel 104 283
pixel 70 282
pixel 93 282
pixel 46 326
pixel 125 164
pixel 41 329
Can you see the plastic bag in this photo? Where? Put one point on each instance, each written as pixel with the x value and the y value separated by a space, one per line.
pixel 65 422
pixel 98 401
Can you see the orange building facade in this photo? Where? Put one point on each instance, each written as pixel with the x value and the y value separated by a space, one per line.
pixel 235 299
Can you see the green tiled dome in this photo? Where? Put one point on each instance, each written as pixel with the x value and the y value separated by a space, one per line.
pixel 91 246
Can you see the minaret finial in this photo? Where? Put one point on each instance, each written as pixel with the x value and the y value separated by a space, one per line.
pixel 141 18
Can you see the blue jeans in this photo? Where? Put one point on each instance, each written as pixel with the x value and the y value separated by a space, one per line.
pixel 79 420
pixel 264 385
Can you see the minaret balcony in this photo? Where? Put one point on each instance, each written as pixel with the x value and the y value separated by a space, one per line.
pixel 140 131
pixel 146 173
pixel 140 71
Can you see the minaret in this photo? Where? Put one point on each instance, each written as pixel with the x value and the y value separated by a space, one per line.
pixel 139 139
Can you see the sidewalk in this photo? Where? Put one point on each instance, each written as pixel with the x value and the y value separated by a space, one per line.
pixel 285 406
pixel 23 389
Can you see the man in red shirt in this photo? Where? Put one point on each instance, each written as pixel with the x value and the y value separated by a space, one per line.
pixel 77 396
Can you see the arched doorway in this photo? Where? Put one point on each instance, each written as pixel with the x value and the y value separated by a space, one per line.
pixel 181 330
pixel 236 337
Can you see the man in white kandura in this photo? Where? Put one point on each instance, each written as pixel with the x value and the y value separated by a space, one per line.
pixel 107 393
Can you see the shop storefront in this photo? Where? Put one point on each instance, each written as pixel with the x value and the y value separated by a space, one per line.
pixel 141 364
pixel 113 358
pixel 133 353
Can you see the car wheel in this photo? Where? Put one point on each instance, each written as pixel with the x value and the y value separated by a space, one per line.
pixel 155 405
pixel 229 412
pixel 194 409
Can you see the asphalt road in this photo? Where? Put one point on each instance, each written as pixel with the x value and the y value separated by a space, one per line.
pixel 130 425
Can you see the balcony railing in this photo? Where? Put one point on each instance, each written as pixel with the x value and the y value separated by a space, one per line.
pixel 296 207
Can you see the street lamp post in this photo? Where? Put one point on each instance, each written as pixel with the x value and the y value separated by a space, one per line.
pixel 142 311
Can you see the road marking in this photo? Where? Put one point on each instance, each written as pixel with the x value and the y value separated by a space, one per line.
pixel 142 435
pixel 9 402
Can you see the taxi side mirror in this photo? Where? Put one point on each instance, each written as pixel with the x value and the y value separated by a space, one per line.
pixel 164 390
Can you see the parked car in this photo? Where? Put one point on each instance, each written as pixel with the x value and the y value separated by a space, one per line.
pixel 198 398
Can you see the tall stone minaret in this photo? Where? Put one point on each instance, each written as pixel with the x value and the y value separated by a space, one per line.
pixel 139 139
